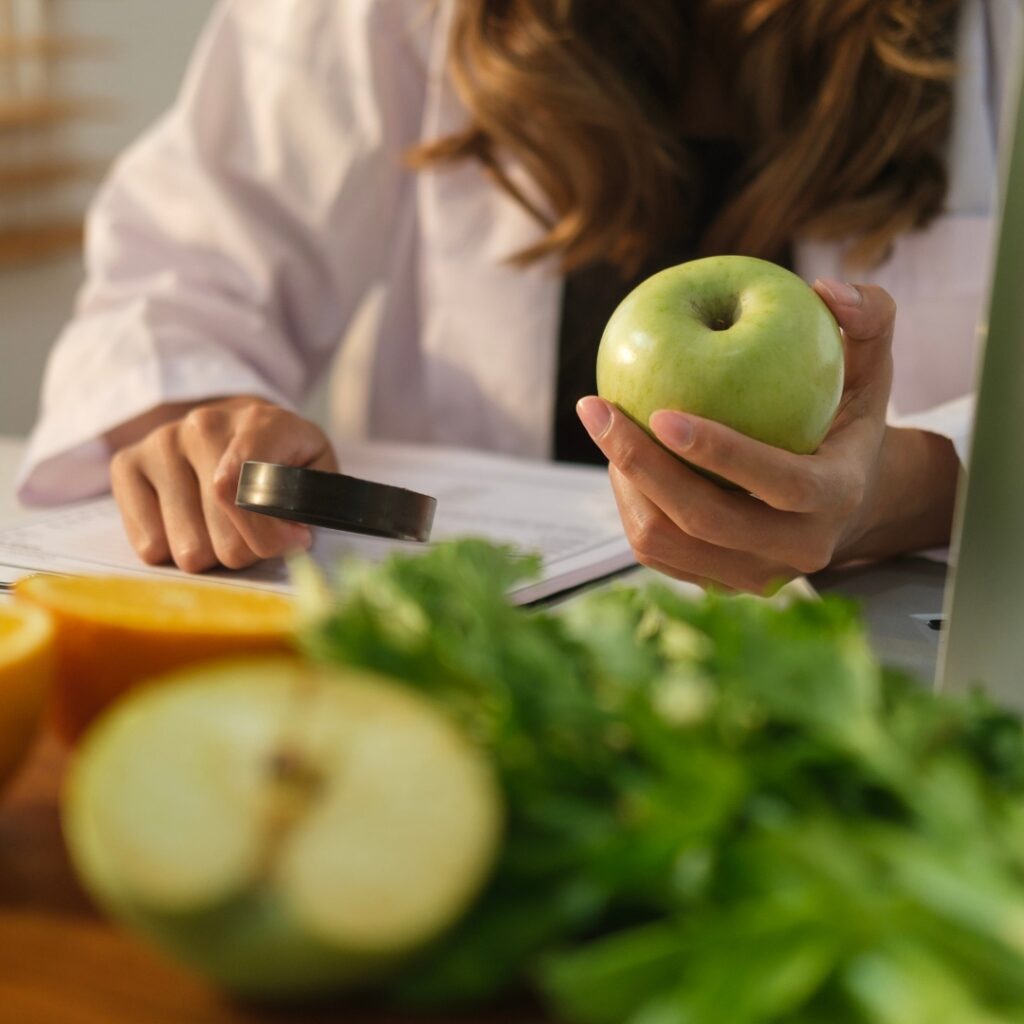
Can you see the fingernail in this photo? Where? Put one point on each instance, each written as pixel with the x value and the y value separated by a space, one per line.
pixel 675 429
pixel 844 294
pixel 595 415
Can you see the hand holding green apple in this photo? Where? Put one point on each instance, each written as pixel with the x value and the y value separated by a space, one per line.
pixel 810 493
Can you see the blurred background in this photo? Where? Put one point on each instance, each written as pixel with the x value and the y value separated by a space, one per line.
pixel 79 79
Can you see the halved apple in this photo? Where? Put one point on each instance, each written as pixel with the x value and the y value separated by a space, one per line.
pixel 283 829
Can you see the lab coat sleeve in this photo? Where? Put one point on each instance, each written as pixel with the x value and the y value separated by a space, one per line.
pixel 230 246
pixel 954 420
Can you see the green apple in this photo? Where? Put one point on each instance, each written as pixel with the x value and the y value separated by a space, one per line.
pixel 729 338
pixel 282 829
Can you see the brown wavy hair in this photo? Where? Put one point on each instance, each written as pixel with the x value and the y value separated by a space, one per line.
pixel 845 106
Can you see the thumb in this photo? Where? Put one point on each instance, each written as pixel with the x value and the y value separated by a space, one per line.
pixel 865 312
pixel 867 316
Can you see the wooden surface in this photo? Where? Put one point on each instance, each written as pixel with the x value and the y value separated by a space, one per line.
pixel 17 47
pixel 62 963
pixel 45 173
pixel 21 246
pixel 17 112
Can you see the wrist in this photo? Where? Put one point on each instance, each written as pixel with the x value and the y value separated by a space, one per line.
pixel 910 501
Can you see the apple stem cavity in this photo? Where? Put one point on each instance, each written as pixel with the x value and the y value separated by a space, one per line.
pixel 293 787
pixel 718 314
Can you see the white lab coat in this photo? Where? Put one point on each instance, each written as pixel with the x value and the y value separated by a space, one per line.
pixel 232 247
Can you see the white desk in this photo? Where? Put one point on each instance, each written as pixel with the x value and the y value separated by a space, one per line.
pixel 891 594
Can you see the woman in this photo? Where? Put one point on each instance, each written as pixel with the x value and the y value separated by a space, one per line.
pixel 563 152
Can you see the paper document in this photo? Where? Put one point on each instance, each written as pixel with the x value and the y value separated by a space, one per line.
pixel 567 514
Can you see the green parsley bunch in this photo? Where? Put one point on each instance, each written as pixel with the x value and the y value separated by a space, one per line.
pixel 719 811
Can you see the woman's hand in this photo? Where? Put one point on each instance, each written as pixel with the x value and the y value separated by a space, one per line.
pixel 870 491
pixel 176 486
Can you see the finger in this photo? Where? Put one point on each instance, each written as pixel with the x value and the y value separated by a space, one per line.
pixel 140 510
pixel 239 538
pixel 266 442
pixel 866 313
pixel 685 577
pixel 787 482
pixel 230 545
pixel 867 316
pixel 177 489
pixel 696 505
pixel 266 536
pixel 657 542
pixel 303 446
pixel 235 547
pixel 327 460
pixel 796 487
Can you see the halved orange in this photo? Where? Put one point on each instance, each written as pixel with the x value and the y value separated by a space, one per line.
pixel 26 669
pixel 115 632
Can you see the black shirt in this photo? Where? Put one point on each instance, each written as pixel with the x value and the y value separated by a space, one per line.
pixel 591 294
